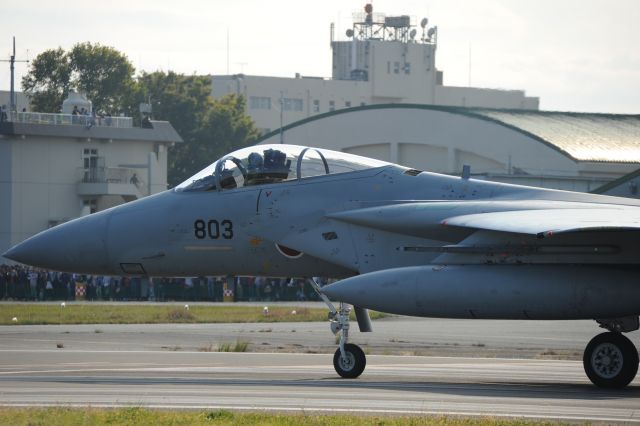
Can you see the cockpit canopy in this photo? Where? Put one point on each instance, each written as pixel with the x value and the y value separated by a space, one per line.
pixel 266 164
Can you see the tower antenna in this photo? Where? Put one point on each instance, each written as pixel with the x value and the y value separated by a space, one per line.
pixel 227 50
pixel 13 99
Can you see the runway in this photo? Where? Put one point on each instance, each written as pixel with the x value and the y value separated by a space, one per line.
pixel 307 383
pixel 169 366
pixel 391 336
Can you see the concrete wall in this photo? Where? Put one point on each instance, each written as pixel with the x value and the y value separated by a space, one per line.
pixel 487 98
pixel 331 95
pixel 6 193
pixel 403 70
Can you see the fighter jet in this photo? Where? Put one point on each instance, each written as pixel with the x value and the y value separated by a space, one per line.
pixel 398 240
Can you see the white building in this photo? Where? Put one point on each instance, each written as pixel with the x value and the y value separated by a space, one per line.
pixel 56 167
pixel 386 60
pixel 570 151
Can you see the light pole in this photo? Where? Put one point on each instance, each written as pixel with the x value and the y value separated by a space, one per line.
pixel 13 100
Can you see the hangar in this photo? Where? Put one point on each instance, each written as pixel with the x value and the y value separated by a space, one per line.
pixel 563 150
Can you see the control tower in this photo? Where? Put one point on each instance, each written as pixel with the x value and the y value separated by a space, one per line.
pixel 394 54
pixel 381 60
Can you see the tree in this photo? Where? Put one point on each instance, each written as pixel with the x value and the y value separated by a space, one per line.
pixel 209 128
pixel 225 127
pixel 179 99
pixel 48 79
pixel 102 73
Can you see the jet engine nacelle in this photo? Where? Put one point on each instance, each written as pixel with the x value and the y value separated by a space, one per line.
pixel 494 291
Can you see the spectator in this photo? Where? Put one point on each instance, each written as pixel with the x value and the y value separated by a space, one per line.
pixel 17 283
pixel 33 285
pixel 146 122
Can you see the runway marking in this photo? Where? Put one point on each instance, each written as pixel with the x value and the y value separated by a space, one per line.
pixel 138 351
pixel 224 369
pixel 328 354
pixel 339 388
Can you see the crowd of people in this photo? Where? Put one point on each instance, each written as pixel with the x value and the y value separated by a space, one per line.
pixel 90 118
pixel 27 284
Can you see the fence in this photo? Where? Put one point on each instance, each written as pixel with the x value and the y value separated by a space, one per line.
pixel 70 119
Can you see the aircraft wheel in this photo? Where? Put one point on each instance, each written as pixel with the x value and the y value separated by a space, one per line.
pixel 353 365
pixel 610 360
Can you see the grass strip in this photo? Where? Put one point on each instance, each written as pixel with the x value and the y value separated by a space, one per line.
pixel 140 416
pixel 35 313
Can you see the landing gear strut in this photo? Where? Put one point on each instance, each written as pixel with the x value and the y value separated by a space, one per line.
pixel 349 360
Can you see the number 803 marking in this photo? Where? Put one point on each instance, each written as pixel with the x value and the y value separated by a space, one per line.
pixel 213 229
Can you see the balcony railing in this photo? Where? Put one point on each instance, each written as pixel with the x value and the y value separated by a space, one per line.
pixel 111 180
pixel 109 175
pixel 70 119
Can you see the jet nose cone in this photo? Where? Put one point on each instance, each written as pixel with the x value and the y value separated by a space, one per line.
pixel 76 246
pixel 18 253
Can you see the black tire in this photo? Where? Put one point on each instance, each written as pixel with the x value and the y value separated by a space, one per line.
pixel 355 362
pixel 610 360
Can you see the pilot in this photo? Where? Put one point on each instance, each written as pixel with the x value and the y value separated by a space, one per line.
pixel 255 163
pixel 255 168
pixel 274 164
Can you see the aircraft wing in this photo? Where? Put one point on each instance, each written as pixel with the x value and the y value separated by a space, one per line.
pixel 545 223
pixel 540 218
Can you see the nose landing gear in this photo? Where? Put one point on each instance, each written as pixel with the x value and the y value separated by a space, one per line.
pixel 349 360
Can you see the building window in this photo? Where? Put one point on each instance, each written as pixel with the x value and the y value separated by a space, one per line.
pixel 388 67
pixel 259 102
pixel 90 205
pixel 347 104
pixel 91 162
pixel 332 106
pixel 316 105
pixel 396 67
pixel 292 104
pixel 407 68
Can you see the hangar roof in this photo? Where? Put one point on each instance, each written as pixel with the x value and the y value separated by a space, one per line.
pixel 583 136
pixel 580 136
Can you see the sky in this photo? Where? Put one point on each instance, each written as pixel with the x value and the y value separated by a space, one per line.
pixel 575 55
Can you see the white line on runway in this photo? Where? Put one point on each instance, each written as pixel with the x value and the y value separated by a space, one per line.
pixel 403 357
